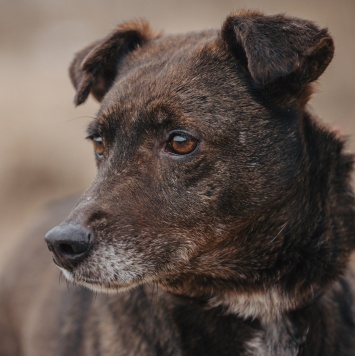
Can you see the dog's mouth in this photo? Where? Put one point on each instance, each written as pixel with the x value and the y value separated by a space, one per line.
pixel 98 285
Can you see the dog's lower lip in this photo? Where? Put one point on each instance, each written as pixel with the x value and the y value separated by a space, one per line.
pixel 101 284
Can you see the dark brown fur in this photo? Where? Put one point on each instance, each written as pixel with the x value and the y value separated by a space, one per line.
pixel 240 247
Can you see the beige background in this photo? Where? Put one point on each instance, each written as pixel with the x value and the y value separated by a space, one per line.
pixel 43 154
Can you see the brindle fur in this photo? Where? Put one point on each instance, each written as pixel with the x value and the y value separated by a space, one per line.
pixel 239 248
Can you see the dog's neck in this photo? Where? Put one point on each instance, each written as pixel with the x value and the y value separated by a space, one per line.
pixel 265 306
pixel 265 333
pixel 279 333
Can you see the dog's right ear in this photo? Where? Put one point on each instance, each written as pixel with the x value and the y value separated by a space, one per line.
pixel 94 68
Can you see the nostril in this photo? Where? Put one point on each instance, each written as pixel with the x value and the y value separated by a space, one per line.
pixel 74 247
pixel 66 249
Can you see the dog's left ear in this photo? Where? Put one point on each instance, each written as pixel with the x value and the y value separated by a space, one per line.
pixel 94 68
pixel 278 49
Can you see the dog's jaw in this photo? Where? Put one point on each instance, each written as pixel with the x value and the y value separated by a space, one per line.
pixel 97 285
pixel 266 306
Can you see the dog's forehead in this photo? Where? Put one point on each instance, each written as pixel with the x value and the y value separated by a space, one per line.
pixel 167 73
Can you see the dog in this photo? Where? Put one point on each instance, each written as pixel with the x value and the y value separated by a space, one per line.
pixel 221 220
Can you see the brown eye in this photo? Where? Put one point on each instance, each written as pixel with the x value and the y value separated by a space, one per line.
pixel 182 144
pixel 98 147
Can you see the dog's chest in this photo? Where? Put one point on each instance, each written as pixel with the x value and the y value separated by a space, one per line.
pixel 276 338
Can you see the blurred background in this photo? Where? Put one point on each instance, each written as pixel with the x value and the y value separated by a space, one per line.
pixel 43 154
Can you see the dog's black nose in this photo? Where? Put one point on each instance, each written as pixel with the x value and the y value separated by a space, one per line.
pixel 70 244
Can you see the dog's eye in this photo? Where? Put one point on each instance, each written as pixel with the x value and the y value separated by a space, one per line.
pixel 98 147
pixel 181 144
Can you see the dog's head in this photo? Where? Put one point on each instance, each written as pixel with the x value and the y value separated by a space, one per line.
pixel 209 181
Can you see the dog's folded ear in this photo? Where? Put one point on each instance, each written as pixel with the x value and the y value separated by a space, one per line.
pixel 94 68
pixel 278 48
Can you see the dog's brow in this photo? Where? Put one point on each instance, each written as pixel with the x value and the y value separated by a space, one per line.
pixel 92 129
pixel 98 125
